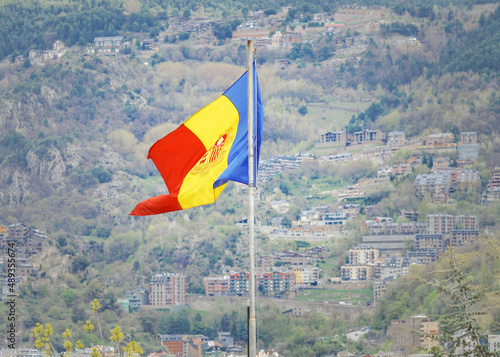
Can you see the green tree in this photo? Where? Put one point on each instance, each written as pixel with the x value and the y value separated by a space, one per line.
pixel 80 263
pixel 199 325
pixel 68 297
pixel 459 330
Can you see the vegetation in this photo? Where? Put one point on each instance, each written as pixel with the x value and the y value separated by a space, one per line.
pixel 76 132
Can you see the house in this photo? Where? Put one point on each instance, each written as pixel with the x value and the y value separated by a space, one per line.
pixel 58 50
pixel 316 252
pixel 384 173
pixel 337 218
pixel 409 215
pixel 367 136
pixel 468 137
pixel 440 140
pixel 104 45
pixel 281 206
pixel 441 162
pixel 335 138
pixel 287 39
pixel 148 44
pixel 180 345
pixel 225 339
pixel 396 139
pixel 379 289
pixel 136 299
pixel 27 241
pixel 353 192
pixel 401 169
pixel 392 267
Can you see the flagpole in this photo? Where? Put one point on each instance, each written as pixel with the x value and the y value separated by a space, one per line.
pixel 252 323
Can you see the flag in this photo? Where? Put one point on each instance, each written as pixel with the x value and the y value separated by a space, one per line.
pixel 211 148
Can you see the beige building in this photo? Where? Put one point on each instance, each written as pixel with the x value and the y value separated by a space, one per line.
pixel 429 241
pixel 216 285
pixel 440 223
pixel 363 255
pixel 353 272
pixel 306 275
pixel 167 290
pixel 367 136
pixel 434 184
pixel 468 137
pixel 440 140
pixel 334 138
pixel 463 236
pixel 409 334
pixel 396 139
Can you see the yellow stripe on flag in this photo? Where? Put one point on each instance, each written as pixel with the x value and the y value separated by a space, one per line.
pixel 210 122
pixel 216 127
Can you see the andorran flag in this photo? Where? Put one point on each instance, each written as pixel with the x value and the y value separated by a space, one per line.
pixel 211 148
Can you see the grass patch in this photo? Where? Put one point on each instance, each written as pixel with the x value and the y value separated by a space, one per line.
pixel 354 296
pixel 330 263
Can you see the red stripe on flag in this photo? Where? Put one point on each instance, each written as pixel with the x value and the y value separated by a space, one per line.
pixel 157 205
pixel 174 156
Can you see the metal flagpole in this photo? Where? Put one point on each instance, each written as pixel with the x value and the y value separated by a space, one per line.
pixel 252 323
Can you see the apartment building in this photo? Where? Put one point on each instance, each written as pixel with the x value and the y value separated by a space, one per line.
pixel 367 136
pixel 337 218
pixel 465 221
pixel 468 137
pixel 388 227
pixel 392 267
pixel 428 241
pixel 137 298
pixel 439 140
pixel 353 272
pixel 404 333
pixel 463 236
pixel 396 139
pixel 180 345
pixel 334 138
pixel 494 178
pixel 276 282
pixel 494 343
pixel 306 276
pixel 352 192
pixel 379 289
pixel 363 255
pixel 167 289
pixel 445 224
pixel 434 184
pixel 468 176
pixel 440 223
pixel 401 169
pixel 27 241
pixel 239 283
pixel 215 286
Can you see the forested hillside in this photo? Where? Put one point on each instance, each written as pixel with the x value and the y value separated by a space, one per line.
pixel 75 132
